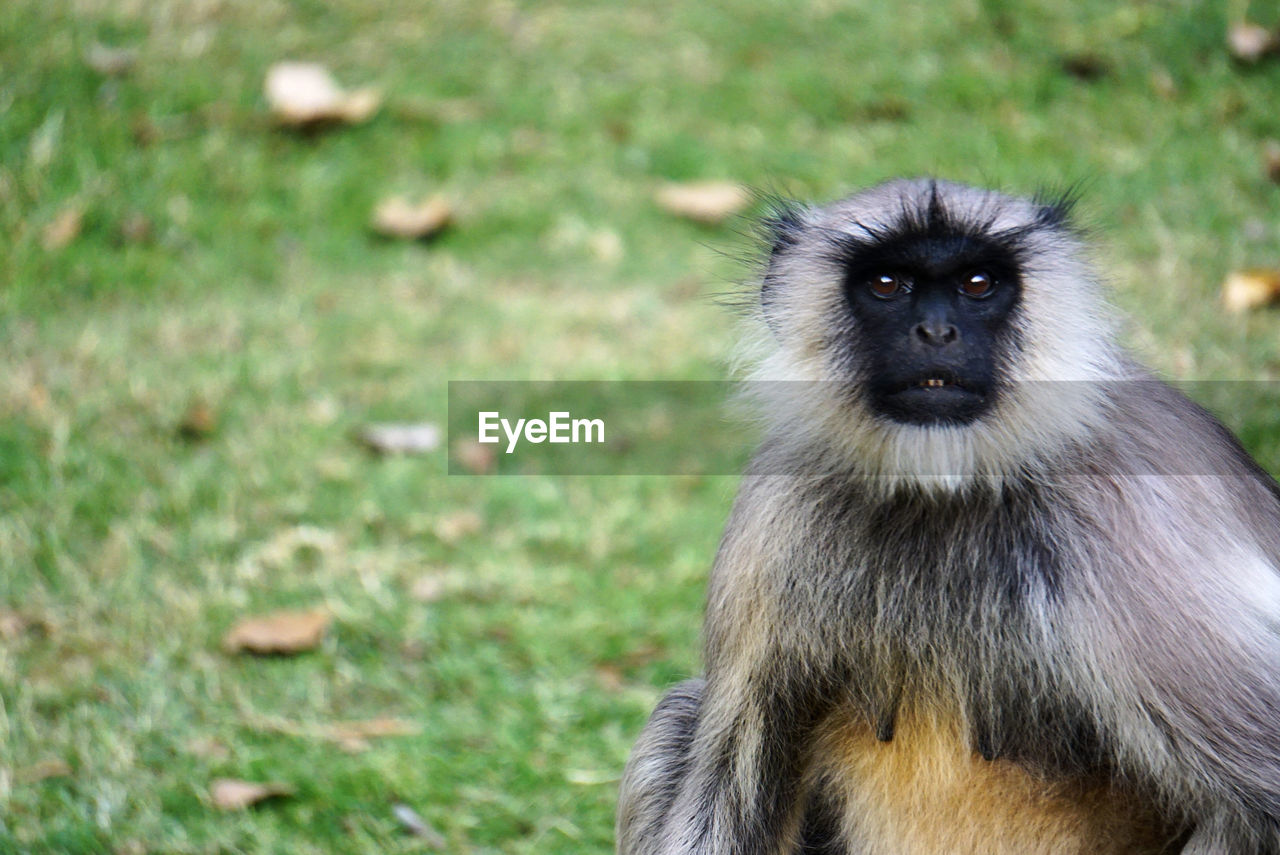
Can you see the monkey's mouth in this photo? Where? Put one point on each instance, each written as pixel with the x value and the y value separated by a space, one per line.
pixel 939 380
pixel 938 397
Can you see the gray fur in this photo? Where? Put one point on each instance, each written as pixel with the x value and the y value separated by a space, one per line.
pixel 1095 608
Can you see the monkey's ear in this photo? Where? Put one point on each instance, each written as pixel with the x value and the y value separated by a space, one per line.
pixel 780 230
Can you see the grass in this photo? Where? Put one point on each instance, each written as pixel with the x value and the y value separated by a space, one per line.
pixel 257 290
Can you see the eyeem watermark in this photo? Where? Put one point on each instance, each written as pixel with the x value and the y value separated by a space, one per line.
pixel 709 427
pixel 559 427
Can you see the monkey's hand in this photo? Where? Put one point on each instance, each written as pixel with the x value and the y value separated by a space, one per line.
pixel 715 773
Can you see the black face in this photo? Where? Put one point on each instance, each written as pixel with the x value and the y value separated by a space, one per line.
pixel 932 309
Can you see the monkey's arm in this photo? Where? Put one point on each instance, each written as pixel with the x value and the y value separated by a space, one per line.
pixel 1183 654
pixel 742 788
pixel 710 775
pixel 720 767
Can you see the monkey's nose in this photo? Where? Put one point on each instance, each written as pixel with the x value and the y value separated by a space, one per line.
pixel 936 333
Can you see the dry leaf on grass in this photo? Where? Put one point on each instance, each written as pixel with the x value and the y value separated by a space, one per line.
pixel 13 624
pixel 610 678
pixel 280 633
pixel 198 422
pixel 354 736
pixel 232 794
pixel 401 438
pixel 351 736
pixel 63 229
pixel 429 588
pixel 1251 42
pixel 45 770
pixel 1271 160
pixel 397 217
pixel 136 228
pixel 590 777
pixel 1250 289
pixel 304 94
pixel 475 457
pixel 707 202
pixel 453 527
pixel 1088 67
pixel 110 61
pixel 417 826
pixel 208 747
pixel 1164 84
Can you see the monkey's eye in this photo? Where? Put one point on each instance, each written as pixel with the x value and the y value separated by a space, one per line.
pixel 978 284
pixel 889 285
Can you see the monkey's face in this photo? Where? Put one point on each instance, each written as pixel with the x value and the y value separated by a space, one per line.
pixel 932 310
pixel 930 330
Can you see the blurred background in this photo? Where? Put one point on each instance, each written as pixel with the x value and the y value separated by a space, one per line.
pixel 208 294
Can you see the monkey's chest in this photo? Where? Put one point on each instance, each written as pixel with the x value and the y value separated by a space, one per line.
pixel 926 792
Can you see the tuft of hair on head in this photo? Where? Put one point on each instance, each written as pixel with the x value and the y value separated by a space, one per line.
pixel 1056 206
pixel 780 227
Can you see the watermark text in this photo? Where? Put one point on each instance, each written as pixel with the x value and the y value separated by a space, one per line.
pixel 559 426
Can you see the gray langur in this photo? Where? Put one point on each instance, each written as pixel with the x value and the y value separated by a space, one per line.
pixel 988 585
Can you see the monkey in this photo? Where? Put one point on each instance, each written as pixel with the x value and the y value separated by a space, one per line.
pixel 988 585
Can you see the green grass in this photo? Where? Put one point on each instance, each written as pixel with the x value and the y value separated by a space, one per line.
pixel 261 292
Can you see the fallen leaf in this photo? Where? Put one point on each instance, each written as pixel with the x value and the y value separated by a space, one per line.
pixel 606 245
pixel 429 588
pixel 353 744
pixel 144 131
pixel 453 527
pixel 1250 289
pixel 353 736
pixel 478 458
pixel 283 632
pixel 610 677
pixel 198 422
pixel 417 826
pixel 590 777
pixel 303 94
pixel 1271 159
pixel 1088 67
pixel 401 438
pixel 45 770
pixel 1251 42
pixel 38 398
pixel 375 727
pixel 232 794
pixel 208 747
pixel 706 202
pixel 645 654
pixel 12 624
pixel 350 736
pixel 397 217
pixel 1164 84
pixel 135 228
pixel 110 61
pixel 63 229
pixel 360 105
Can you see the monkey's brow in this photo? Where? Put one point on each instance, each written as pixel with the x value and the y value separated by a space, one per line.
pixel 844 243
